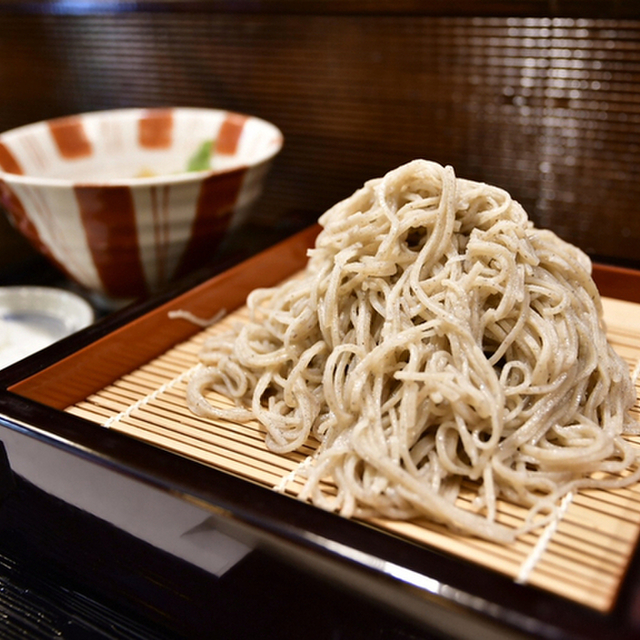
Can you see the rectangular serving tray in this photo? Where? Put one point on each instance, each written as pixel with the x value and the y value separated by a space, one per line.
pixel 159 495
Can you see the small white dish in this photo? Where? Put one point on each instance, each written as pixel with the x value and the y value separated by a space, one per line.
pixel 32 318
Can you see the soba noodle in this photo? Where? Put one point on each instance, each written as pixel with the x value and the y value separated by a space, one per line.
pixel 436 341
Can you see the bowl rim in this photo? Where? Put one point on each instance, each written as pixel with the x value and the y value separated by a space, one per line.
pixel 185 177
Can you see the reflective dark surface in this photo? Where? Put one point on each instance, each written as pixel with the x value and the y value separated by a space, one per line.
pixel 66 574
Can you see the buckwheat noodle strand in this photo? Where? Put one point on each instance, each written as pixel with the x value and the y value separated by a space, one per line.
pixel 436 341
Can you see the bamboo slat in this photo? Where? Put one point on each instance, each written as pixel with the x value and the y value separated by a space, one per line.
pixel 582 556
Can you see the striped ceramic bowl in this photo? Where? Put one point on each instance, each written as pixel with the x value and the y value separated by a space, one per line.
pixel 126 201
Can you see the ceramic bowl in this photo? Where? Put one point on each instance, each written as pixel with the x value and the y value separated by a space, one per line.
pixel 126 201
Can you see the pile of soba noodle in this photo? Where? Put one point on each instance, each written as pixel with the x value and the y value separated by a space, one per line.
pixel 438 346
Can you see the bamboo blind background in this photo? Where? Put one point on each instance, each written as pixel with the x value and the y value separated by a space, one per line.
pixel 540 98
pixel 583 556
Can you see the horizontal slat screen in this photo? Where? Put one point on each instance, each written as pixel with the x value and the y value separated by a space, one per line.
pixel 545 107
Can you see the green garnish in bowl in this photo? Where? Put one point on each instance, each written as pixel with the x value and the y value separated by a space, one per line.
pixel 201 159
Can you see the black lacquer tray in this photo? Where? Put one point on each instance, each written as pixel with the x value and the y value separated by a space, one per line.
pixel 169 497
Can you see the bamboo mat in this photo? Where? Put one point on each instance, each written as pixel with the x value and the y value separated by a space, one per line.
pixel 582 556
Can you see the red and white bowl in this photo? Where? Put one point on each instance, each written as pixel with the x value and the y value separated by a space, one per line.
pixel 109 197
